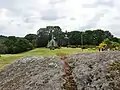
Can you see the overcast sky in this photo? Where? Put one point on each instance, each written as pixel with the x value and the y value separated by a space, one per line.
pixel 20 17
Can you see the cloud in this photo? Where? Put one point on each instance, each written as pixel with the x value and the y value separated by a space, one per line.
pixel 109 3
pixel 50 14
pixel 53 2
pixel 97 3
pixel 93 22
pixel 72 18
pixel 19 17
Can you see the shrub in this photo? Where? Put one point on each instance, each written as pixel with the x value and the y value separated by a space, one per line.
pixel 16 45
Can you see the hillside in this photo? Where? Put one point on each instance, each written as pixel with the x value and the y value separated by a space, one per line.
pixel 92 71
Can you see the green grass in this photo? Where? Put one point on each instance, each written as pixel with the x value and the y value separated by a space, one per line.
pixel 9 58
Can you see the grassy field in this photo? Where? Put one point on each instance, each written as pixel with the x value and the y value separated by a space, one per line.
pixel 9 58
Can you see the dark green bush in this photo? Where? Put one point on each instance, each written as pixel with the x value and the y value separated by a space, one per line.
pixel 15 45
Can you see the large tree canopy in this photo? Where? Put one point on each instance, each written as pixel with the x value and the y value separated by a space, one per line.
pixel 44 35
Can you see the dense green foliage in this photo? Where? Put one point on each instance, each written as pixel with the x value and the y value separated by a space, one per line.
pixel 89 37
pixel 112 43
pixel 31 38
pixel 12 45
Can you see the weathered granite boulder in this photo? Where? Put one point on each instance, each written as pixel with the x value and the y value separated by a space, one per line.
pixel 91 71
pixel 32 73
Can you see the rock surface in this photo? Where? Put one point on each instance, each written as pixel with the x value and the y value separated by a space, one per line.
pixel 90 71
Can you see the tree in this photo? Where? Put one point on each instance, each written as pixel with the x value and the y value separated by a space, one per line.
pixel 17 45
pixel 88 38
pixel 44 35
pixel 31 38
pixel 74 37
pixel 108 42
pixel 115 39
pixel 95 37
pixel 115 45
pixel 22 45
pixel 3 48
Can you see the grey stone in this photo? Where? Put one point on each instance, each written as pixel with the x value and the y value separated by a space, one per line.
pixel 90 71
